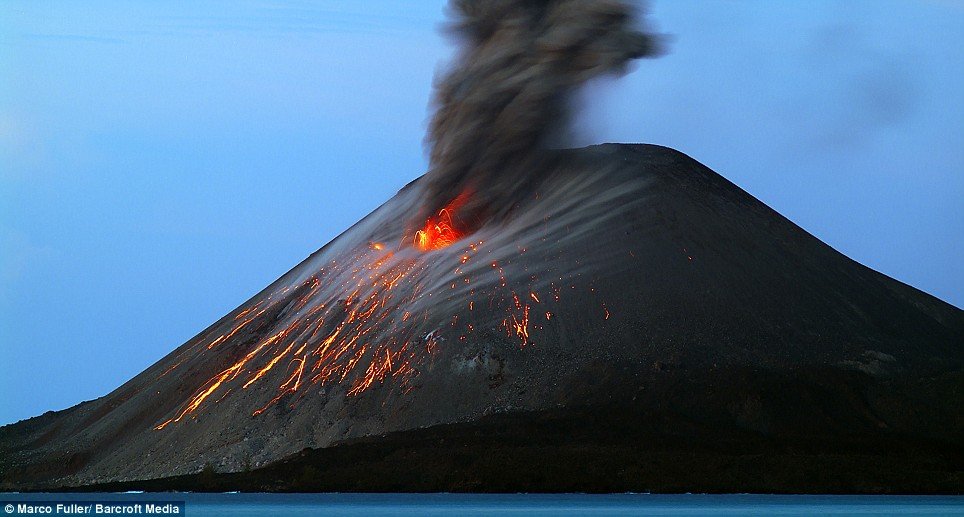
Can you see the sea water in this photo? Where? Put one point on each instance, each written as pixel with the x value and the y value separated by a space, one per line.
pixel 505 505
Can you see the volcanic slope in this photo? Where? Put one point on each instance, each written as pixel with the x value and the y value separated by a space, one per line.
pixel 631 278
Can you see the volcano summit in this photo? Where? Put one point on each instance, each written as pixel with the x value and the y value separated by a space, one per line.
pixel 635 305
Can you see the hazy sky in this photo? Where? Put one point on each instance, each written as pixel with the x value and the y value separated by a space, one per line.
pixel 159 164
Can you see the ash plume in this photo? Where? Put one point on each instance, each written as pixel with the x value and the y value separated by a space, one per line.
pixel 508 96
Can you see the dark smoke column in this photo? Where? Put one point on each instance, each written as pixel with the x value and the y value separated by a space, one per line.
pixel 508 94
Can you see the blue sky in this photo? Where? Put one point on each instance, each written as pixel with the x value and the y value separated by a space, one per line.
pixel 159 164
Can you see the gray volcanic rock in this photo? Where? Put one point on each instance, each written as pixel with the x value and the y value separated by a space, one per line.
pixel 631 277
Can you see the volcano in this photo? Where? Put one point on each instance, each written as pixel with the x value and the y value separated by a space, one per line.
pixel 633 321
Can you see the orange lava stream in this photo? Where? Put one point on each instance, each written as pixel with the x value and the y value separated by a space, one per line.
pixel 348 323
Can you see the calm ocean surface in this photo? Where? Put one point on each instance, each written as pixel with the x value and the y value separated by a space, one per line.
pixel 466 505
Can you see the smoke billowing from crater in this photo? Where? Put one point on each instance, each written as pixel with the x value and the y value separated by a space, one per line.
pixel 508 95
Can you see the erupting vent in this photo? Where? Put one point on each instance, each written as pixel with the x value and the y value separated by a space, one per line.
pixel 440 231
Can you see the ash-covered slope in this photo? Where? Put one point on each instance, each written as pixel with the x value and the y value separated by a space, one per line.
pixel 629 277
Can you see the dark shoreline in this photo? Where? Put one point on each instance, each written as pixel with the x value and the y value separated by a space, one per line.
pixel 591 452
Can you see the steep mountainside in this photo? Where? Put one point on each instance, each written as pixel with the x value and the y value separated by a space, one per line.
pixel 631 278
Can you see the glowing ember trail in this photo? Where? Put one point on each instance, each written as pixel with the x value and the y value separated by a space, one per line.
pixel 367 320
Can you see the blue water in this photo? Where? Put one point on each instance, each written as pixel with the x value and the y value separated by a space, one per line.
pixel 466 505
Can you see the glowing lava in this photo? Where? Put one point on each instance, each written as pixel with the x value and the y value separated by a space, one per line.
pixel 367 319
pixel 440 231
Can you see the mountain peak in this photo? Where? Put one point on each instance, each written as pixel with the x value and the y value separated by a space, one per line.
pixel 626 276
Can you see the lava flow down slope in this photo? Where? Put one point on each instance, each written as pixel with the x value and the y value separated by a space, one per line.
pixel 628 285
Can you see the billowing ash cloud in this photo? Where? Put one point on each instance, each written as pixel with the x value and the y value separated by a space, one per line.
pixel 507 96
